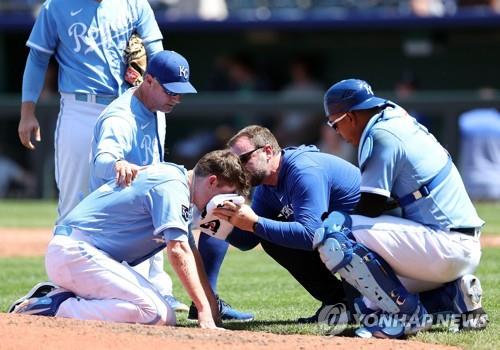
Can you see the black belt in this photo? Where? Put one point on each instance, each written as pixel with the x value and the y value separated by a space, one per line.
pixel 469 231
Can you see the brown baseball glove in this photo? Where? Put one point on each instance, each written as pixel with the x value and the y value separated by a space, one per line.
pixel 135 55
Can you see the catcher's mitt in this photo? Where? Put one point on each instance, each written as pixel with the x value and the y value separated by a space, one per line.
pixel 135 55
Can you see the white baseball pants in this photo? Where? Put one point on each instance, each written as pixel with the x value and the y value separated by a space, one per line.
pixel 423 258
pixel 107 290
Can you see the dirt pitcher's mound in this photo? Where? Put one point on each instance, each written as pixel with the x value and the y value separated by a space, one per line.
pixel 21 332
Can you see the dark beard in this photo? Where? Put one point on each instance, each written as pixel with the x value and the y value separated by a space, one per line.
pixel 257 178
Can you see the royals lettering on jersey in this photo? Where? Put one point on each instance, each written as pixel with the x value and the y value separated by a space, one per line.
pixel 126 130
pixel 92 34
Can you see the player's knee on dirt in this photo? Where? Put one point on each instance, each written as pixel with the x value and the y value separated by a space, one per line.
pixel 156 314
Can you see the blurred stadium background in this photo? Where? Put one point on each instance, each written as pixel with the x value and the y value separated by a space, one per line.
pixel 269 61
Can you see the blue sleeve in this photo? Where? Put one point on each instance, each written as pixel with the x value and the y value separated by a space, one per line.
pixel 44 35
pixel 113 137
pixel 381 169
pixel 308 191
pixel 243 240
pixel 153 47
pixel 34 75
pixel 147 27
pixel 168 204
pixel 175 234
pixel 104 166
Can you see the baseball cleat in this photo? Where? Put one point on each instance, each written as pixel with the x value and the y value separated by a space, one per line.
pixel 394 326
pixel 467 295
pixel 339 309
pixel 227 313
pixel 46 305
pixel 39 290
pixel 175 304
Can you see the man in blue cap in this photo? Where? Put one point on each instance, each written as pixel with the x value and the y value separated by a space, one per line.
pixel 126 138
pixel 431 249
pixel 125 135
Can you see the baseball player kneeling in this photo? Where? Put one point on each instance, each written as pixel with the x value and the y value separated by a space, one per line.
pixel 115 224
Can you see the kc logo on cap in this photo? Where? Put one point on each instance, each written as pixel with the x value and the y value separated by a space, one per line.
pixel 184 72
pixel 172 72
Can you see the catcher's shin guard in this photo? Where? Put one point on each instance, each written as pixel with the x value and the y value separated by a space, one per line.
pixel 363 269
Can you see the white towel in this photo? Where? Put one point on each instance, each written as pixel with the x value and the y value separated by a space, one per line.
pixel 211 224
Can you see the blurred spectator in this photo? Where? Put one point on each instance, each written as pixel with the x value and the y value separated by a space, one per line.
pixel 210 10
pixel 15 181
pixel 405 88
pixel 432 8
pixel 331 142
pixel 480 153
pixel 162 4
pixel 407 85
pixel 241 75
pixel 236 74
pixel 294 128
pixel 190 149
pixel 479 5
pixel 215 10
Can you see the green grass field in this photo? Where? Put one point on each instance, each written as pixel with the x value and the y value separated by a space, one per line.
pixel 252 281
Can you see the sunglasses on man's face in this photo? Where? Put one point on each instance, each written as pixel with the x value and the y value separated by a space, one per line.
pixel 333 124
pixel 170 93
pixel 167 91
pixel 245 157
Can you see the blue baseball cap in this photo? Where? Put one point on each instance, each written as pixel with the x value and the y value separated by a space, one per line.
pixel 350 95
pixel 172 71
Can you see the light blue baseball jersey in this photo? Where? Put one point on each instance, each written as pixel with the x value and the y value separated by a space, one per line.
pixel 133 223
pixel 126 130
pixel 397 155
pixel 88 38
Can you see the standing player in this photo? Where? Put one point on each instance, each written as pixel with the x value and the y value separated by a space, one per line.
pixel 294 187
pixel 435 244
pixel 131 224
pixel 88 39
